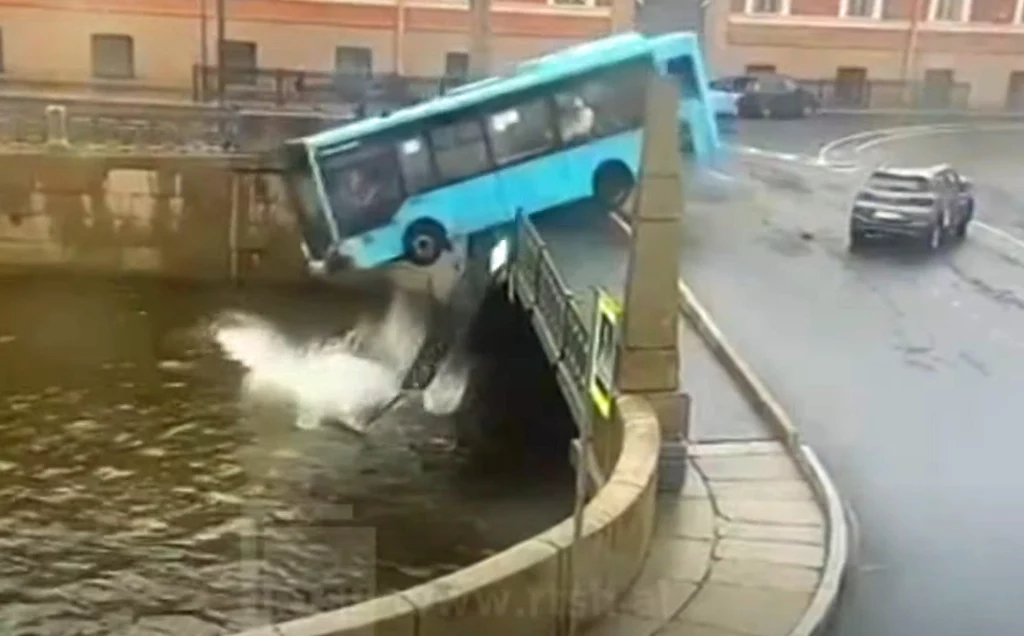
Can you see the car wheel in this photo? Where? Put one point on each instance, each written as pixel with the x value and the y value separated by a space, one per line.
pixel 424 242
pixel 809 110
pixel 857 241
pixel 932 239
pixel 613 183
pixel 766 113
pixel 961 229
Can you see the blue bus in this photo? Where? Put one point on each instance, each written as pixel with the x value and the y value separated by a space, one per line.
pixel 557 129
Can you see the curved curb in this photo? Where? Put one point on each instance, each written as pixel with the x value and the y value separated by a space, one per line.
pixel 825 598
pixel 750 385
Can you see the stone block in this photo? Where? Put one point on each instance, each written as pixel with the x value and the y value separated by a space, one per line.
pixel 660 599
pixel 765 612
pixel 793 513
pixel 647 370
pixel 385 616
pixel 762 574
pixel 695 486
pixel 673 467
pixel 685 628
pixel 673 410
pixel 514 592
pixel 809 534
pixel 651 302
pixel 624 625
pixel 686 519
pixel 678 559
pixel 801 554
pixel 788 490
pixel 748 468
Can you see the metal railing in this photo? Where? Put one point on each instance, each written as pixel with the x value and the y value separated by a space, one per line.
pixel 282 86
pixel 557 317
pixel 883 94
pixel 143 128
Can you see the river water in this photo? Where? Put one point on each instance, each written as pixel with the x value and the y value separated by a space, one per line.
pixel 141 491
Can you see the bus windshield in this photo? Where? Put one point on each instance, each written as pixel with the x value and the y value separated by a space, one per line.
pixel 301 189
pixel 362 187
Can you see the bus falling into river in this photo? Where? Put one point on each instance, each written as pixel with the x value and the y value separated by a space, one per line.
pixel 556 129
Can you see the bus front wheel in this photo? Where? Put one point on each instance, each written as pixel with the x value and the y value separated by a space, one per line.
pixel 424 241
pixel 613 183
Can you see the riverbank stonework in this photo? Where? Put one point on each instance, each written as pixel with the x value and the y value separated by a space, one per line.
pixel 172 215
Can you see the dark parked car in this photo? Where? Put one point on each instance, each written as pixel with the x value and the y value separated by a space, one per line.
pixel 768 95
pixel 927 205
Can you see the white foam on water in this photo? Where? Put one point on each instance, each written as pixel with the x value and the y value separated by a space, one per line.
pixel 350 379
pixel 444 394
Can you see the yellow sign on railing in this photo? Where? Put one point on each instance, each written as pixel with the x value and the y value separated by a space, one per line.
pixel 603 349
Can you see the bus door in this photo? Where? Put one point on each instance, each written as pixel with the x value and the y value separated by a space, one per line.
pixel 317 228
pixel 694 109
pixel 362 187
pixel 532 175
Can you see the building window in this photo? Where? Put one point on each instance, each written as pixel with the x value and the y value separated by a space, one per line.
pixel 1 51
pixel 1015 91
pixel 239 61
pixel 456 64
pixel 353 60
pixel 861 8
pixel 113 56
pixel 949 10
pixel 937 89
pixel 760 69
pixel 780 7
pixel 851 87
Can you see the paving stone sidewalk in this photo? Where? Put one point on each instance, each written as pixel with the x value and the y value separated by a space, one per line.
pixel 739 552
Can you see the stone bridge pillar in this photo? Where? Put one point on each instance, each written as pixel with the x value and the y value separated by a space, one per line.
pixel 649 360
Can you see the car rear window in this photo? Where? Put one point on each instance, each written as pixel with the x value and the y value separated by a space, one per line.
pixel 898 183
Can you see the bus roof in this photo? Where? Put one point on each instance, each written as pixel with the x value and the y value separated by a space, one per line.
pixel 525 75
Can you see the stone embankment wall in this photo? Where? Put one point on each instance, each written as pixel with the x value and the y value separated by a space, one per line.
pixel 175 216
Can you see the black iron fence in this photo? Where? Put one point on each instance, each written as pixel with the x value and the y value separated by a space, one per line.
pixel 890 94
pixel 130 127
pixel 356 94
pixel 281 86
pixel 557 317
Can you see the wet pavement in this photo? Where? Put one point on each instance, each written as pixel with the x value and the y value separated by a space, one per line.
pixel 902 369
pixel 143 494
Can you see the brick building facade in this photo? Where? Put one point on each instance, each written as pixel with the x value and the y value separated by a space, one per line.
pixel 157 42
pixel 975 45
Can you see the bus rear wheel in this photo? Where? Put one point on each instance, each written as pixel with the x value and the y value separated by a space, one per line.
pixel 613 183
pixel 424 242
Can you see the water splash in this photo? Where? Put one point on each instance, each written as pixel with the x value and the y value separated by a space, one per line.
pixel 324 380
pixel 352 379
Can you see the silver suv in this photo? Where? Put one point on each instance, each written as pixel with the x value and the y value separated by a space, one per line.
pixel 927 205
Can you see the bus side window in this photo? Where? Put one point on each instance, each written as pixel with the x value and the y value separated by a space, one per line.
pixel 606 105
pixel 575 117
pixel 460 150
pixel 521 132
pixel 415 162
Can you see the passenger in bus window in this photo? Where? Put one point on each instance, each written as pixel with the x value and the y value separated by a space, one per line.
pixel 355 192
pixel 577 120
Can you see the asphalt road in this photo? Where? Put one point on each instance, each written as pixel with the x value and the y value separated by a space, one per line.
pixel 904 370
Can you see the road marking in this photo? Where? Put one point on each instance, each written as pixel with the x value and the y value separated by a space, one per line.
pixel 890 135
pixel 1003 234
pixel 831 146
